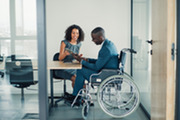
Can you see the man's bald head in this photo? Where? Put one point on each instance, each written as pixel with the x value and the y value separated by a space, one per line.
pixel 98 35
pixel 99 31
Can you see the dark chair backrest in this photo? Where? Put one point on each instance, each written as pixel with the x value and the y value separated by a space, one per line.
pixel 1 58
pixel 122 58
pixel 56 57
pixel 55 72
pixel 20 72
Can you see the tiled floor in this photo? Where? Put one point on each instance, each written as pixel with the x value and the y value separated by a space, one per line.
pixel 64 112
pixel 12 108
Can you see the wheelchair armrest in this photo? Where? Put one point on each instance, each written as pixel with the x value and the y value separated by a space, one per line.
pixel 97 78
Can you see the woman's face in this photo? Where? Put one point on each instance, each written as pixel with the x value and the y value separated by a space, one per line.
pixel 74 34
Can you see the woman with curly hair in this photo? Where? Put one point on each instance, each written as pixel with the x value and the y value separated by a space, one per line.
pixel 72 42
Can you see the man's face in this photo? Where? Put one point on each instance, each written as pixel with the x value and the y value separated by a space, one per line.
pixel 96 39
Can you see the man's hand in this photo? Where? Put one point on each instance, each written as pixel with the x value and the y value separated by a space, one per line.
pixel 79 57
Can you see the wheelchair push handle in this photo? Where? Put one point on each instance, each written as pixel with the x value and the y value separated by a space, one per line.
pixel 129 50
pixel 132 51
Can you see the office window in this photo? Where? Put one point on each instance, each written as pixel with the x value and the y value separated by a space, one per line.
pixel 4 19
pixel 18 27
pixel 26 47
pixel 25 17
pixel 5 47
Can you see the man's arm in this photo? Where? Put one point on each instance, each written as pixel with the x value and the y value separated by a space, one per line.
pixel 104 56
pixel 92 60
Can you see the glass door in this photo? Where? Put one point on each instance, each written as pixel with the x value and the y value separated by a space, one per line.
pixel 141 66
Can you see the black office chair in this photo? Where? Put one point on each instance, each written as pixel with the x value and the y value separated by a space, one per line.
pixel 1 73
pixel 56 76
pixel 20 73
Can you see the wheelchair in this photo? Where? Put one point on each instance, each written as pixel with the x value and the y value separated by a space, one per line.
pixel 117 94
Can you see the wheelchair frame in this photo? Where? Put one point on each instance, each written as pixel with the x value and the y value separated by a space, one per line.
pixel 114 96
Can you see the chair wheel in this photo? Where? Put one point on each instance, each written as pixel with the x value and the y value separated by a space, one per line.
pixel 85 110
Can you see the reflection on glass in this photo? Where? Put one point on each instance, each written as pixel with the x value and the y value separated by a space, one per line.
pixel 25 17
pixel 26 47
pixel 4 18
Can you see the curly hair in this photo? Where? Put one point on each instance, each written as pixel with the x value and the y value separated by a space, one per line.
pixel 69 30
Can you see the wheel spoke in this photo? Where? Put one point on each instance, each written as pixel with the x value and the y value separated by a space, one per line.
pixel 118 96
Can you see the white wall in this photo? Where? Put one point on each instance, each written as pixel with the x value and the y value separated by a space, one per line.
pixel 112 15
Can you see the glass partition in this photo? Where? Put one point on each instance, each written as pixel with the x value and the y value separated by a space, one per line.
pixel 18 46
pixel 142 60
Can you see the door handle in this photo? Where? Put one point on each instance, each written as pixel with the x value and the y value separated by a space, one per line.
pixel 150 52
pixel 173 51
pixel 149 41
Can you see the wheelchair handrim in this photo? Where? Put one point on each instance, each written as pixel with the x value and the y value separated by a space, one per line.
pixel 123 77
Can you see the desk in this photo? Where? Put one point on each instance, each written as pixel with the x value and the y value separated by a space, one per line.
pixel 52 65
pixel 55 65
pixel 1 65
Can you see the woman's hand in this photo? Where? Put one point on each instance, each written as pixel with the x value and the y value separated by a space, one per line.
pixel 66 52
pixel 79 57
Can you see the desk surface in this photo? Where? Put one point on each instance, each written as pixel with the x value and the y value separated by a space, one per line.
pixel 53 65
pixel 61 65
pixel 2 66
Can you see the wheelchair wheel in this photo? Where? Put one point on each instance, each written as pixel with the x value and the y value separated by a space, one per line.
pixel 85 110
pixel 118 96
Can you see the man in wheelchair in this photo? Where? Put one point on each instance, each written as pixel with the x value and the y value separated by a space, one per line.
pixel 107 59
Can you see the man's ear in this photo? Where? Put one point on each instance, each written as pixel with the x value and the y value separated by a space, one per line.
pixel 101 37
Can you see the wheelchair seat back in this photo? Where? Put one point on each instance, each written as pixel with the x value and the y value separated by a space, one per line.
pixel 122 58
